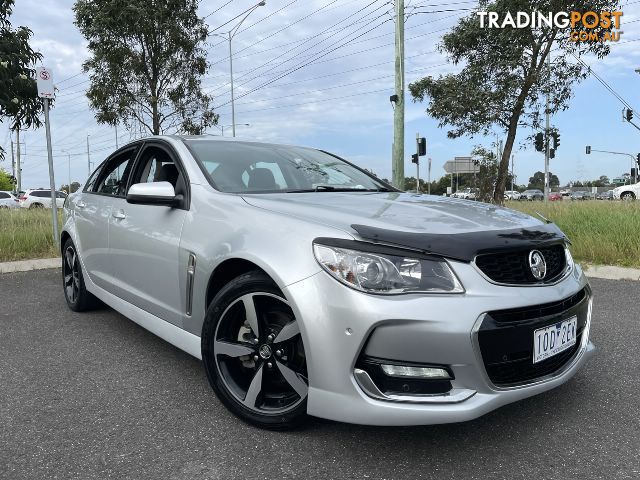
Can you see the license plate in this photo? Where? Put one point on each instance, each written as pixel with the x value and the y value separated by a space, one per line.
pixel 552 340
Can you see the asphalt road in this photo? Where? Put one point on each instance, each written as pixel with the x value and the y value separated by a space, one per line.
pixel 94 396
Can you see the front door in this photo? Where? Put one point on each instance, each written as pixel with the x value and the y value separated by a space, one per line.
pixel 92 210
pixel 144 240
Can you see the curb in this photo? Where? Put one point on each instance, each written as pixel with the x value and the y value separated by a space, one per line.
pixel 28 265
pixel 607 272
pixel 612 273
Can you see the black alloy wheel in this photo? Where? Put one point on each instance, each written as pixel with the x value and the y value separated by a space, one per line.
pixel 254 355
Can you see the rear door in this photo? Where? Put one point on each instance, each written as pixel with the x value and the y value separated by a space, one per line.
pixel 92 210
pixel 144 240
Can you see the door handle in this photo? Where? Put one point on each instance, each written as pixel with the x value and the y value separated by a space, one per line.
pixel 119 214
pixel 81 204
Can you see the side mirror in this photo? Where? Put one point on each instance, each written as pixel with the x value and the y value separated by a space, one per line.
pixel 154 193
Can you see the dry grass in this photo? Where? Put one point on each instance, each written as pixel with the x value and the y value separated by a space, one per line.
pixel 602 232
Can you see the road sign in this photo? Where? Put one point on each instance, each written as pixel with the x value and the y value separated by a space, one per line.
pixel 461 165
pixel 44 79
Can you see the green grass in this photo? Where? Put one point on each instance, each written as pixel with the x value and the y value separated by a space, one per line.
pixel 26 234
pixel 601 232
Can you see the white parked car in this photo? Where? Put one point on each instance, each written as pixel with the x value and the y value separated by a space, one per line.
pixel 466 194
pixel 512 195
pixel 627 192
pixel 41 199
pixel 7 200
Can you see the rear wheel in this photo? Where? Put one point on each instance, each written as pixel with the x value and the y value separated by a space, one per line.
pixel 77 297
pixel 36 205
pixel 253 353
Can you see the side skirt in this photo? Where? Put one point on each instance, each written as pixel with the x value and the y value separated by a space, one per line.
pixel 176 336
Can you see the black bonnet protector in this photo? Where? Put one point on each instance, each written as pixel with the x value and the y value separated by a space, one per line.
pixel 465 246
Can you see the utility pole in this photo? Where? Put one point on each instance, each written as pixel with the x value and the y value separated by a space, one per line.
pixel 429 178
pixel 397 167
pixel 13 162
pixel 116 137
pixel 512 159
pixel 546 134
pixel 18 167
pixel 417 163
pixel 88 159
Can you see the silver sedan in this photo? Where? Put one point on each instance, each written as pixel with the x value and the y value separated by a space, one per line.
pixel 307 286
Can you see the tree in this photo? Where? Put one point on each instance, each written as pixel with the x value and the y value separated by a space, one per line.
pixel 147 61
pixel 19 99
pixel 74 187
pixel 6 184
pixel 504 77
pixel 537 181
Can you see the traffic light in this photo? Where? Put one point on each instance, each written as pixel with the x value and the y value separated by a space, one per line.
pixel 552 153
pixel 540 142
pixel 638 159
pixel 588 149
pixel 422 147
pixel 414 158
pixel 556 140
pixel 629 114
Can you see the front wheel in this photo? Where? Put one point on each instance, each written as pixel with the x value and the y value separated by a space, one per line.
pixel 253 353
pixel 627 196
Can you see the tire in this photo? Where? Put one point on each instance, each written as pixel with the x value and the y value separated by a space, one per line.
pixel 75 293
pixel 260 378
pixel 628 196
pixel 36 205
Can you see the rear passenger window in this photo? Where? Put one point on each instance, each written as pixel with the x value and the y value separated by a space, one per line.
pixel 4 195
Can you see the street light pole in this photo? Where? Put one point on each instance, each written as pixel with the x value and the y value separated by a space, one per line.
pixel 222 127
pixel 229 37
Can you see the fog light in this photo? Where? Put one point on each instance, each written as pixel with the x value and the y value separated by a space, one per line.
pixel 415 372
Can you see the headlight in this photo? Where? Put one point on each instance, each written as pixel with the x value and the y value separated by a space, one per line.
pixel 385 273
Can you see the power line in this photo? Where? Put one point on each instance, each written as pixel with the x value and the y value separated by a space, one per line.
pixel 302 65
pixel 296 56
pixel 603 82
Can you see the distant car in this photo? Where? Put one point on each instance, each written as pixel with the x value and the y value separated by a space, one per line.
pixel 555 196
pixel 532 194
pixel 627 192
pixel 579 195
pixel 512 195
pixel 41 199
pixel 466 194
pixel 7 200
pixel 565 192
pixel 608 195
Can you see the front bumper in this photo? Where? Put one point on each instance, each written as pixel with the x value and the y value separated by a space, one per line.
pixel 339 323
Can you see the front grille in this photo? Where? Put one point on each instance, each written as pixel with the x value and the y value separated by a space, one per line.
pixel 512 267
pixel 506 339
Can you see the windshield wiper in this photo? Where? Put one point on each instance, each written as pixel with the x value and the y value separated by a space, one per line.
pixel 330 188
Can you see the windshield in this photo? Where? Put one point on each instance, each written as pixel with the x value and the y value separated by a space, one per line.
pixel 244 167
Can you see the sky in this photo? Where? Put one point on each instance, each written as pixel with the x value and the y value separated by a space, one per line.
pixel 339 99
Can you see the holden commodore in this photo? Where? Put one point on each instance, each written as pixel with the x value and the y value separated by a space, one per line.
pixel 307 286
